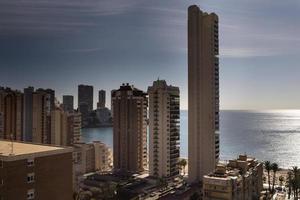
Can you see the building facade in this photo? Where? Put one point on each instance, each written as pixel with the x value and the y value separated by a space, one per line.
pixel 30 171
pixel 90 157
pixel 164 114
pixel 74 128
pixel 85 96
pixel 129 129
pixel 240 179
pixel 41 117
pixel 59 129
pixel 27 114
pixel 101 99
pixel 11 107
pixel 68 103
pixel 203 93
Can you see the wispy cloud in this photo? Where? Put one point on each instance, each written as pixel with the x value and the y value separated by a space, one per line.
pixel 25 15
pixel 247 52
pixel 84 50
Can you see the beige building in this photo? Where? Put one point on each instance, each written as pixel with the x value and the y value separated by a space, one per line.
pixel 1 124
pixel 90 157
pixel 29 171
pixel 240 179
pixel 41 117
pixel 74 128
pixel 65 127
pixel 11 107
pixel 164 130
pixel 130 129
pixel 59 127
pixel 103 157
pixel 203 93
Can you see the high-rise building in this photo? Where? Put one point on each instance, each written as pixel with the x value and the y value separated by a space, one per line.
pixel 41 115
pixel 27 114
pixel 85 102
pixel 85 96
pixel 49 105
pixel 130 129
pixel 203 93
pixel 1 123
pixel 11 107
pixel 51 94
pixel 164 129
pixel 101 100
pixel 59 129
pixel 74 128
pixel 68 103
pixel 29 171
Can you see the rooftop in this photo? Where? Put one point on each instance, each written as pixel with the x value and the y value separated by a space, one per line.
pixel 14 149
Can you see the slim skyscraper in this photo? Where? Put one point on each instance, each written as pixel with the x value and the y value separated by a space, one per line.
pixel 130 129
pixel 101 100
pixel 203 93
pixel 85 102
pixel 68 103
pixel 27 119
pixel 85 96
pixel 164 129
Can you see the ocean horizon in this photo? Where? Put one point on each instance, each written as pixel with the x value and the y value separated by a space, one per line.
pixel 272 135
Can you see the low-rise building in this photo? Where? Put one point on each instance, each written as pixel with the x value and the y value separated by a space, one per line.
pixel 239 179
pixel 90 157
pixel 30 171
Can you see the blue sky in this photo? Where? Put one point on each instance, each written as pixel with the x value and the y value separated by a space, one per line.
pixel 62 43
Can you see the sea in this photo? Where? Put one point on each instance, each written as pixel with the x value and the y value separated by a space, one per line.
pixel 272 135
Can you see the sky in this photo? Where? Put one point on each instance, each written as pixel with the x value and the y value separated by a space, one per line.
pixel 60 44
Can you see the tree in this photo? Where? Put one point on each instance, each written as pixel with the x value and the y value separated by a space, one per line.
pixel 268 169
pixel 281 179
pixel 274 168
pixel 295 181
pixel 183 163
pixel 289 179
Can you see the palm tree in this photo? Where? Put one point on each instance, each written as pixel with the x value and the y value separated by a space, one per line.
pixel 274 168
pixel 268 168
pixel 296 180
pixel 183 163
pixel 281 179
pixel 289 180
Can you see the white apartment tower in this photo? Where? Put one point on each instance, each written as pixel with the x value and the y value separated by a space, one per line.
pixel 164 129
pixel 203 93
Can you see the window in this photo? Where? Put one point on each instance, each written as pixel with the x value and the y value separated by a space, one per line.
pixel 30 178
pixel 30 194
pixel 30 162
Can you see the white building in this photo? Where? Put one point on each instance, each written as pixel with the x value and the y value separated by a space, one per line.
pixel 203 93
pixel 164 129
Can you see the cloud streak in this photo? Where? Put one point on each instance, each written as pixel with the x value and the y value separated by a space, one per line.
pixel 17 16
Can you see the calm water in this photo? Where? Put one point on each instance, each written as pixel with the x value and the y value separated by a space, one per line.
pixel 267 135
